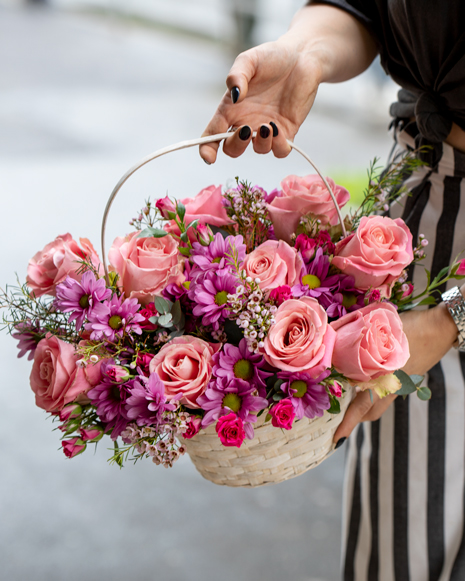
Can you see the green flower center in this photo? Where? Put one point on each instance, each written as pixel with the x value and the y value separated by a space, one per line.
pixel 217 260
pixel 221 298
pixel 348 300
pixel 243 369
pixel 115 322
pixel 186 284
pixel 311 281
pixel 232 401
pixel 84 301
pixel 300 386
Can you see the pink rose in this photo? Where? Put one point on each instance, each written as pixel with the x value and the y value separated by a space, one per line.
pixel 275 263
pixel 164 206
pixel 300 339
pixel 370 342
pixel 230 430
pixel 55 379
pixel 59 259
pixel 283 414
pixel 304 195
pixel 206 207
pixel 193 428
pixel 91 434
pixel 146 265
pixel 335 388
pixel 73 447
pixel 377 253
pixel 307 246
pixel 461 268
pixel 185 366
pixel 70 412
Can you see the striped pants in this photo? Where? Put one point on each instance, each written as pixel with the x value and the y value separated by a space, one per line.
pixel 405 476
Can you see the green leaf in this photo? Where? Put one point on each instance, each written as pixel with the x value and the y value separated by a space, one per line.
pixel 184 251
pixel 176 312
pixel 181 210
pixel 335 407
pixel 268 417
pixel 440 275
pixel 165 320
pixel 371 396
pixel 162 305
pixel 184 237
pixel 279 396
pixel 217 230
pixel 152 232
pixel 417 379
pixel 193 224
pixel 408 386
pixel 233 332
pixel 153 320
pixel 278 384
pixel 424 393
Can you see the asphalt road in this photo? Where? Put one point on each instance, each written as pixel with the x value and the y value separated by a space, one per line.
pixel 81 100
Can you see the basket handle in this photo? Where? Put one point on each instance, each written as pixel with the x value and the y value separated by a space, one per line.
pixel 185 145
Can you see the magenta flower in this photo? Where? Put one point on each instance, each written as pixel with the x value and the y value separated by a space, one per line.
pixel 91 433
pixel 28 336
pixel 240 363
pixel 280 294
pixel 117 317
pixel 315 279
pixel 231 430
pixel 282 414
pixel 193 428
pixel 174 292
pixel 147 312
pixel 307 247
pixel 210 295
pixel 109 400
pixel 238 396
pixel 73 447
pixel 147 401
pixel 346 298
pixel 214 256
pixel 82 299
pixel 308 397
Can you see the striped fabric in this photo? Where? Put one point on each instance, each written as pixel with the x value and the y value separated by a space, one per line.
pixel 405 477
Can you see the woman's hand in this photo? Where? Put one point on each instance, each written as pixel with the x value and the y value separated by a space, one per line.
pixel 430 333
pixel 271 88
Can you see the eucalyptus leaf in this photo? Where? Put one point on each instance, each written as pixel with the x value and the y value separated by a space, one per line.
pixel 408 386
pixel 279 396
pixel 424 393
pixel 278 384
pixel 165 320
pixel 417 379
pixel 162 305
pixel 176 312
pixel 181 210
pixel 175 334
pixel 153 320
pixel 152 232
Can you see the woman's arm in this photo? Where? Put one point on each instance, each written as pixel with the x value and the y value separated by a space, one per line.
pixel 277 81
pixel 431 333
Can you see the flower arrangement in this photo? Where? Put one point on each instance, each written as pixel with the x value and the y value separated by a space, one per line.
pixel 218 309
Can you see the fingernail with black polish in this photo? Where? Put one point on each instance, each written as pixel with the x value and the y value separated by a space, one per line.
pixel 245 132
pixel 235 94
pixel 207 162
pixel 264 131
pixel 340 442
pixel 275 129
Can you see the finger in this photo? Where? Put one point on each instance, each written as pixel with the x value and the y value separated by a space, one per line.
pixel 354 414
pixel 235 145
pixel 239 76
pixel 378 409
pixel 262 142
pixel 280 146
pixel 218 124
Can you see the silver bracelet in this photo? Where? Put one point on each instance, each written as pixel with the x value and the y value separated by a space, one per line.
pixel 456 304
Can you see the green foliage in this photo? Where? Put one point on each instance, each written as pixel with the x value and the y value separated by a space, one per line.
pixel 411 384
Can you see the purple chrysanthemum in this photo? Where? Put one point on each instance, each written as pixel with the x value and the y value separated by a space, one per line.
pixel 314 281
pixel 307 395
pixel 223 397
pixel 83 298
pixel 110 401
pixel 28 335
pixel 214 256
pixel 147 401
pixel 346 298
pixel 117 317
pixel 210 292
pixel 174 292
pixel 240 363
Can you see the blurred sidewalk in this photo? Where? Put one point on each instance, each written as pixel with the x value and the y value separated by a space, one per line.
pixel 82 99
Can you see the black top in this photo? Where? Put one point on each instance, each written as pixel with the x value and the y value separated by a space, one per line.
pixel 422 47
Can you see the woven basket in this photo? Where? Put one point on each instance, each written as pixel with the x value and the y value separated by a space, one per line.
pixel 273 455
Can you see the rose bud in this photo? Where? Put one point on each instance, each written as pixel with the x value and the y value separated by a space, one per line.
pixel 73 447
pixel 204 234
pixel 70 411
pixel 91 434
pixel 166 208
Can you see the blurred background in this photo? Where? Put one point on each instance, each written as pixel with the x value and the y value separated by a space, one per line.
pixel 87 87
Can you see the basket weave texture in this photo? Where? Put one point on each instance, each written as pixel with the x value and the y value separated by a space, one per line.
pixel 273 455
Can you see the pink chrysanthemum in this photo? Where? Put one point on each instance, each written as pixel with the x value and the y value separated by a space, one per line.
pixel 223 397
pixel 316 281
pixel 306 394
pixel 117 317
pixel 28 335
pixel 210 295
pixel 240 363
pixel 110 402
pixel 82 299
pixel 214 256
pixel 147 401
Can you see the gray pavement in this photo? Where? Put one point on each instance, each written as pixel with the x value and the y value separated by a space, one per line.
pixel 82 99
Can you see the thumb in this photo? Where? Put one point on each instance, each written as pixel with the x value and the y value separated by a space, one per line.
pixel 241 73
pixel 354 415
